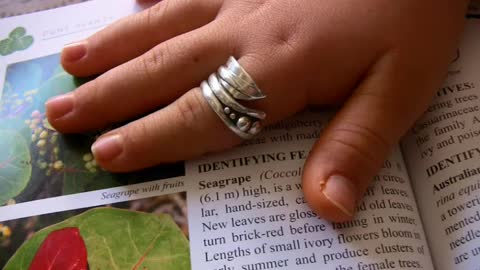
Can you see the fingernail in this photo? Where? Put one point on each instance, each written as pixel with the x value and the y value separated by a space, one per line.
pixel 341 192
pixel 107 148
pixel 59 106
pixel 74 51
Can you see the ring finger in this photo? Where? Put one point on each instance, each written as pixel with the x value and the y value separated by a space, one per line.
pixel 185 129
pixel 141 85
pixel 132 36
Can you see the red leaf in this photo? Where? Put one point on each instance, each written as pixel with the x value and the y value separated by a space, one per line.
pixel 63 249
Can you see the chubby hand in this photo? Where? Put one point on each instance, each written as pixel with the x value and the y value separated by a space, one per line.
pixel 381 61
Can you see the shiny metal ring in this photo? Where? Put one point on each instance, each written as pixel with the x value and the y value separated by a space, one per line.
pixel 229 101
pixel 222 91
pixel 233 91
pixel 245 88
pixel 242 75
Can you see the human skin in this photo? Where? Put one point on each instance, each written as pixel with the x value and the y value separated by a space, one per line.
pixel 379 61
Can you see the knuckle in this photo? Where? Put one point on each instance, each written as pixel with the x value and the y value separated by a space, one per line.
pixel 191 107
pixel 370 134
pixel 361 154
pixel 151 61
pixel 197 118
pixel 164 55
pixel 156 12
pixel 281 38
pixel 370 145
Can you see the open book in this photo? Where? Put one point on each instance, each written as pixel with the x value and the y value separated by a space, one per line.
pixel 239 210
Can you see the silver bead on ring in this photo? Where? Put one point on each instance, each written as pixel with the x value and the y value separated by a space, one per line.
pixel 224 88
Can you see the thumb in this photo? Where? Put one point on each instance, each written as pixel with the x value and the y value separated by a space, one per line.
pixel 356 142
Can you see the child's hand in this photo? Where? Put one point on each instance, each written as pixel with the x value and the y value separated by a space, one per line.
pixel 382 60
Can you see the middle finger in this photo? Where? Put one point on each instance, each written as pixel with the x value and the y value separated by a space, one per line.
pixel 143 84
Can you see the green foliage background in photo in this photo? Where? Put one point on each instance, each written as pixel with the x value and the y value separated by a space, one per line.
pixel 118 239
pixel 43 162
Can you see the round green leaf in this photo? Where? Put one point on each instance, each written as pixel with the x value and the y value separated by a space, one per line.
pixel 119 239
pixel 18 33
pixel 23 43
pixel 18 125
pixel 15 164
pixel 6 46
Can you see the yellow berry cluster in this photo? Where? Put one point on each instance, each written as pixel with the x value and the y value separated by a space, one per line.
pixel 45 139
pixel 90 163
pixel 12 100
pixel 5 231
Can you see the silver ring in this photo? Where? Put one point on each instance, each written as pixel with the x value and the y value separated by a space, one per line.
pixel 223 89
pixel 229 101
pixel 233 91
pixel 245 88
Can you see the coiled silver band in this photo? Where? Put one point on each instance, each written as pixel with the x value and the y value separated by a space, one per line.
pixel 222 90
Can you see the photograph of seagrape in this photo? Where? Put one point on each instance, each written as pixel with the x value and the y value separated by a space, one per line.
pixel 36 161
pixel 150 233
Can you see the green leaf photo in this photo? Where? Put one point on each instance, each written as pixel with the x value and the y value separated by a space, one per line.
pixel 150 233
pixel 17 40
pixel 43 162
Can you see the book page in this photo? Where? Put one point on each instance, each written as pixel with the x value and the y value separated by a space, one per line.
pixel 247 211
pixel 442 152
pixel 243 209
pixel 12 8
pixel 52 164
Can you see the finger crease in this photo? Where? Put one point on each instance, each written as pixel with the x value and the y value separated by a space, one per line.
pixel 146 67
pixel 366 132
pixel 357 149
